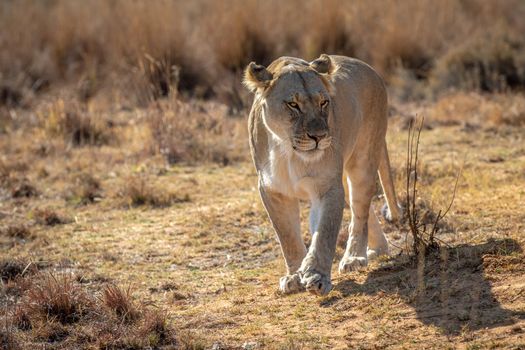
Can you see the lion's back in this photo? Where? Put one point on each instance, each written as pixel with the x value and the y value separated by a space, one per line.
pixel 358 77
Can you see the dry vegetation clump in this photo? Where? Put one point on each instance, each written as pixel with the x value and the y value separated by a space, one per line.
pixel 474 110
pixel 86 189
pixel 7 339
pixel 157 48
pixel 156 328
pixel 58 310
pixel 492 62
pixel 23 189
pixel 190 134
pixel 9 171
pixel 58 298
pixel 49 217
pixel 16 231
pixel 120 303
pixel 137 191
pixel 10 269
pixel 77 126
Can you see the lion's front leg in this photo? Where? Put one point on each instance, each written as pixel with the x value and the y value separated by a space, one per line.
pixel 317 265
pixel 283 212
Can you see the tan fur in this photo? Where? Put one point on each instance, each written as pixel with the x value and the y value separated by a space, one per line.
pixel 311 125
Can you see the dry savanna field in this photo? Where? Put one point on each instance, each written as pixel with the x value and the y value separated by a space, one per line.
pixel 129 210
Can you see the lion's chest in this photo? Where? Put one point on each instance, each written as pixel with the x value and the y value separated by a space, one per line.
pixel 282 177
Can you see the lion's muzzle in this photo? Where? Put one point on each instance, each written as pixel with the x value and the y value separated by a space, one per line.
pixel 311 142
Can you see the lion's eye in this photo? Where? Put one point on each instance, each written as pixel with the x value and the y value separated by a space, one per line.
pixel 292 105
pixel 324 103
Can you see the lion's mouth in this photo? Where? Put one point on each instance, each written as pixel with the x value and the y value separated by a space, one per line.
pixel 311 146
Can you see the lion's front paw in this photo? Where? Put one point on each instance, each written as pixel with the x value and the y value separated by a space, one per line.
pixel 352 263
pixel 290 284
pixel 316 283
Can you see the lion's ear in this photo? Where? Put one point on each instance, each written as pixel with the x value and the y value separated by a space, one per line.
pixel 256 77
pixel 323 64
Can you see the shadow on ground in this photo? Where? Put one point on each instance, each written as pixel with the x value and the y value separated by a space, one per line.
pixel 451 289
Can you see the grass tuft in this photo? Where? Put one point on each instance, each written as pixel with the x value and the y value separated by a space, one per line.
pixel 77 126
pixel 120 303
pixel 16 231
pixel 86 189
pixel 49 217
pixel 24 189
pixel 58 298
pixel 137 192
pixel 10 269
pixel 156 329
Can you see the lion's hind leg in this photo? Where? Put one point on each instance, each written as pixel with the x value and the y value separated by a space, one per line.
pixel 377 243
pixel 361 178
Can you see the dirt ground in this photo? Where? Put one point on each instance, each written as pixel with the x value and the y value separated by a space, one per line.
pixel 209 256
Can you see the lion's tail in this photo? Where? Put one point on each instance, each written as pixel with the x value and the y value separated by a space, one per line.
pixel 391 211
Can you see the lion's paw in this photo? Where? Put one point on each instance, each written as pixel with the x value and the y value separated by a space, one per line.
pixel 372 254
pixel 352 263
pixel 290 284
pixel 316 283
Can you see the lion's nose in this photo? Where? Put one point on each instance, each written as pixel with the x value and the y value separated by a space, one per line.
pixel 317 136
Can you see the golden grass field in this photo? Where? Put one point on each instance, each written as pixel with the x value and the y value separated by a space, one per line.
pixel 129 211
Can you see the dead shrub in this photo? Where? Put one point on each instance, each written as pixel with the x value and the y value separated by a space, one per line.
pixel 137 192
pixel 120 303
pixel 58 298
pixel 423 223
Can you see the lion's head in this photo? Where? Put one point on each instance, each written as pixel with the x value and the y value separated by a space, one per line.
pixel 295 100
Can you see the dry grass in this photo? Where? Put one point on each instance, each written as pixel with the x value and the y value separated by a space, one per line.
pixel 138 108
pixel 77 126
pixel 211 266
pixel 10 269
pixel 16 231
pixel 58 298
pixel 120 303
pixel 49 217
pixel 137 191
pixel 185 133
pixel 23 189
pixel 86 189
pixel 58 310
pixel 158 48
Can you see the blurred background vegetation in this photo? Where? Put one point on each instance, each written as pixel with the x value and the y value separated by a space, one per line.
pixel 148 49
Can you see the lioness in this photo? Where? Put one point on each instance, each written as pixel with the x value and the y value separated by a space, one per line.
pixel 311 125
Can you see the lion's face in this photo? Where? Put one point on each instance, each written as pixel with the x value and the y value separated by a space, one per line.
pixel 296 102
pixel 296 110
